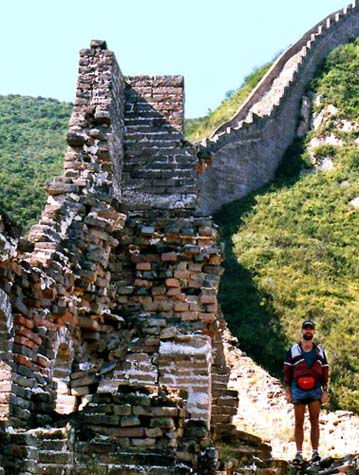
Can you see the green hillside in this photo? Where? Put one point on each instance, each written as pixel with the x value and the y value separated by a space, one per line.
pixel 32 146
pixel 198 129
pixel 292 247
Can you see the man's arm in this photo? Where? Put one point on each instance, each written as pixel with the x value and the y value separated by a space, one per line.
pixel 288 375
pixel 325 379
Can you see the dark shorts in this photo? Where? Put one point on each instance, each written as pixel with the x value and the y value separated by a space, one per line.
pixel 305 396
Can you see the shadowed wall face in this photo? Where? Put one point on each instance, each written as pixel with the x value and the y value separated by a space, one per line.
pixel 159 168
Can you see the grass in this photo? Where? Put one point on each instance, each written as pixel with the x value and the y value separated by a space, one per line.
pixel 291 247
pixel 198 129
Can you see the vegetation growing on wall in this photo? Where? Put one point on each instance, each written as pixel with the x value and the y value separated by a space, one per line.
pixel 32 146
pixel 292 246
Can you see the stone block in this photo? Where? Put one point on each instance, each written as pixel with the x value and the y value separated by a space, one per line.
pixel 207 317
pixel 163 422
pixel 122 410
pixel 156 411
pixel 129 421
pixel 143 443
pixel 169 257
pixel 189 316
pixel 125 290
pixel 172 283
pixel 87 380
pixel 153 432
pixel 208 299
pixel 147 266
pixel 81 391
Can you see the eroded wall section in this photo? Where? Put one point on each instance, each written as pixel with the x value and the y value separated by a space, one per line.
pixel 110 307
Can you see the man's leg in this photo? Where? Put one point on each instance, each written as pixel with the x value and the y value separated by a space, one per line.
pixel 299 412
pixel 314 410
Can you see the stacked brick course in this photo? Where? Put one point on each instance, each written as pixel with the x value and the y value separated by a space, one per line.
pixel 166 280
pixel 160 168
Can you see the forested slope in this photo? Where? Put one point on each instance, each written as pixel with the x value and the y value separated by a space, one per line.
pixel 32 146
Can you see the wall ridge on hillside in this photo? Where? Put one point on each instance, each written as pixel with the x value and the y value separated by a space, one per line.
pixel 301 48
pixel 246 150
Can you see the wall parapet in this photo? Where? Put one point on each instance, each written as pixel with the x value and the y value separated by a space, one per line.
pixel 302 46
pixel 246 151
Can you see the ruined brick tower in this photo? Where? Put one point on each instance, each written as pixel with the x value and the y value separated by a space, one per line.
pixel 110 319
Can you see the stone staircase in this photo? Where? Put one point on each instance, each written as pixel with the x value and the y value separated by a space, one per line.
pixel 224 400
pixel 224 404
pixel 106 458
pixel 54 452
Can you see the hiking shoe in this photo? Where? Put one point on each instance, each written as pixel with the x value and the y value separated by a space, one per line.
pixel 315 457
pixel 298 459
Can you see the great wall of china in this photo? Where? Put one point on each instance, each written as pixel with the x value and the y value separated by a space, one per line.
pixel 244 152
pixel 112 359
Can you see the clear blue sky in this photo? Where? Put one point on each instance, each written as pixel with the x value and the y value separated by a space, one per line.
pixel 213 43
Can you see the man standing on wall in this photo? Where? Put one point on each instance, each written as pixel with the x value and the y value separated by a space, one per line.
pixel 306 374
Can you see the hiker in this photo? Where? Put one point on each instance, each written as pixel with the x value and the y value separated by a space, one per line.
pixel 306 374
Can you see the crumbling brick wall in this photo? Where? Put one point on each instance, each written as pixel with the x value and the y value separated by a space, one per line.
pixel 114 294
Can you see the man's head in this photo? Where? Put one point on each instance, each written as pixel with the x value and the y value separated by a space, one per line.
pixel 308 328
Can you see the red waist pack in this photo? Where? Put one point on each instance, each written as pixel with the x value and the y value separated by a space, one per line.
pixel 306 382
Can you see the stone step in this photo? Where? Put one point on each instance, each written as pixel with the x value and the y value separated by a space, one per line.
pixel 216 377
pixel 220 418
pixel 225 400
pixel 53 469
pixel 127 469
pixel 221 410
pixel 111 454
pixel 48 456
pixel 52 444
pixel 225 428
pixel 219 388
pixel 50 434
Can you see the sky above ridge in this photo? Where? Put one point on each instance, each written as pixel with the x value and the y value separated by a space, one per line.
pixel 214 44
